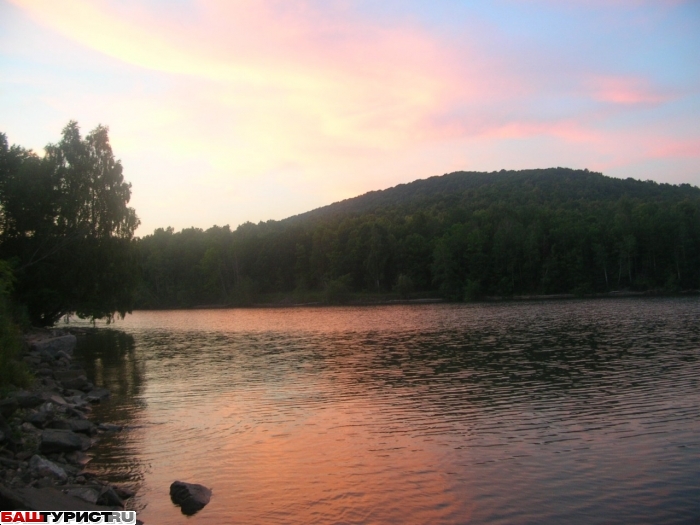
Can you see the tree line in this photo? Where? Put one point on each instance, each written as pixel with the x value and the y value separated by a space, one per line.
pixel 463 236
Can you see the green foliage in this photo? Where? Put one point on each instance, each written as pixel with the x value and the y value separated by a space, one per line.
pixel 12 371
pixel 404 286
pixel 66 226
pixel 336 291
pixel 464 236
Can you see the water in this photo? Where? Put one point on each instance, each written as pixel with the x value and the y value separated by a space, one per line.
pixel 542 413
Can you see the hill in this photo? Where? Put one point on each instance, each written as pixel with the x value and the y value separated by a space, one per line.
pixel 462 235
pixel 560 185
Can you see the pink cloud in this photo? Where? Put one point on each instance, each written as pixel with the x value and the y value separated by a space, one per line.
pixel 625 91
pixel 674 148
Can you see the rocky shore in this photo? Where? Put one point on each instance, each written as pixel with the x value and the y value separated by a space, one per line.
pixel 46 433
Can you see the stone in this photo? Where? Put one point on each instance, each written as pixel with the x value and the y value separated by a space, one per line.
pixel 68 375
pixel 97 395
pixel 76 413
pixel 8 439
pixel 78 383
pixel 109 497
pixel 78 457
pixel 54 345
pixel 191 497
pixel 75 383
pixel 54 398
pixel 27 400
pixel 124 492
pixel 62 355
pixel 43 467
pixel 53 440
pixel 109 427
pixel 81 426
pixel 89 494
pixel 40 419
pixel 29 428
pixel 8 406
pixel 49 383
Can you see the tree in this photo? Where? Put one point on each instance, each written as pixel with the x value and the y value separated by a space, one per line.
pixel 67 227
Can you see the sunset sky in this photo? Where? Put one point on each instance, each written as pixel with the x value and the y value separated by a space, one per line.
pixel 226 111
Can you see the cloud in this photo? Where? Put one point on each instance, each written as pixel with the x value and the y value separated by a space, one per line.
pixel 625 91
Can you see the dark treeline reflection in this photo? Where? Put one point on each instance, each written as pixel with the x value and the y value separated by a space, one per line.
pixel 462 235
pixel 109 358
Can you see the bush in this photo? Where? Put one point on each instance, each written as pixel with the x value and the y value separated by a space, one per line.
pixel 404 286
pixel 12 371
pixel 336 291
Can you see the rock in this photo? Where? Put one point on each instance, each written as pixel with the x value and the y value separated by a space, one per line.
pixel 54 398
pixel 73 378
pixel 53 440
pixel 32 360
pixel 49 383
pixel 97 395
pixel 81 426
pixel 29 428
pixel 40 419
pixel 78 383
pixel 189 496
pixel 78 457
pixel 24 454
pixel 89 494
pixel 43 467
pixel 62 355
pixel 124 492
pixel 11 463
pixel 76 413
pixel 109 497
pixel 54 345
pixel 8 406
pixel 8 439
pixel 109 427
pixel 27 400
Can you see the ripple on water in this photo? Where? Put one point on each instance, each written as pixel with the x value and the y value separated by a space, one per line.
pixel 575 411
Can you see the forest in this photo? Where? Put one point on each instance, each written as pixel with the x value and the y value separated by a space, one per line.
pixel 460 236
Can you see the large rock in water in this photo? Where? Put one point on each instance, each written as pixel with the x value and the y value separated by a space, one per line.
pixel 190 496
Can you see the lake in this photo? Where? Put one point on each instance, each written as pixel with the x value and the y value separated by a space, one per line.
pixel 584 411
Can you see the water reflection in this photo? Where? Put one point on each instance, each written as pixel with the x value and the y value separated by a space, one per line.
pixel 109 358
pixel 582 411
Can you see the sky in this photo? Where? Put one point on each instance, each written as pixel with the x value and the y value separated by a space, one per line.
pixel 227 111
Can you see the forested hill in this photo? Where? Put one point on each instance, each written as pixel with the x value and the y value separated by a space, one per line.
pixel 545 186
pixel 464 235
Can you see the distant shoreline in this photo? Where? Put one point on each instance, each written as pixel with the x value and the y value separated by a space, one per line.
pixel 439 300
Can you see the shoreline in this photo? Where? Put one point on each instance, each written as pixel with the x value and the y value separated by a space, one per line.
pixel 434 300
pixel 46 433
